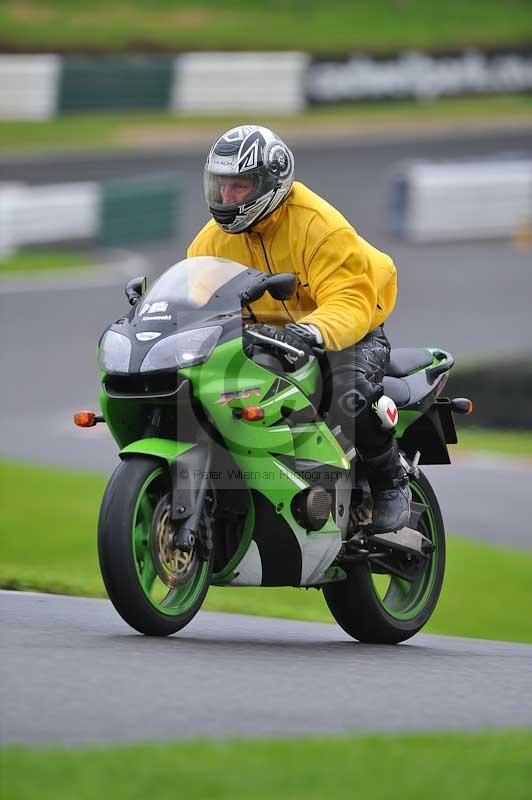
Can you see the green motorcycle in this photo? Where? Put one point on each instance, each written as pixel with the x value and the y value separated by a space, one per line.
pixel 232 472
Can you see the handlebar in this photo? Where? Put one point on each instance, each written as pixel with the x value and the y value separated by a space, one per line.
pixel 276 343
pixel 318 351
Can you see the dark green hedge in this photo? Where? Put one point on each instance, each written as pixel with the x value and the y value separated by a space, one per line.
pixel 115 83
pixel 501 391
pixel 135 210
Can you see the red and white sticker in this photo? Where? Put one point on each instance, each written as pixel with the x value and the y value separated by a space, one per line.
pixel 386 411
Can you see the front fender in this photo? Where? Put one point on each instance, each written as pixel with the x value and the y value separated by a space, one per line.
pixel 166 449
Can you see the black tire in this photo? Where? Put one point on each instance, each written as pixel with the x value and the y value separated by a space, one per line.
pixel 136 485
pixel 362 612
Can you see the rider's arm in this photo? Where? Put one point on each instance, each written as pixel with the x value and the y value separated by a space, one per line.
pixel 342 283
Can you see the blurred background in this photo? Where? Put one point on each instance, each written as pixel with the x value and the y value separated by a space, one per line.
pixel 413 118
pixel 414 121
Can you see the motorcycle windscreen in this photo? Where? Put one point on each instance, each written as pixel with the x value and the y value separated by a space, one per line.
pixel 193 283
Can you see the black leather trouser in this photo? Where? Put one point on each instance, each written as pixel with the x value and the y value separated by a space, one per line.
pixel 354 383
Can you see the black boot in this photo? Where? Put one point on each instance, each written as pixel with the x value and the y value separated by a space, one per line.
pixel 389 487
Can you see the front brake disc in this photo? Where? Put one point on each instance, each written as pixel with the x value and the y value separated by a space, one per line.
pixel 173 565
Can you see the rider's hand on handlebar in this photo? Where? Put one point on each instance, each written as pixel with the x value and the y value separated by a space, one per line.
pixel 310 334
pixel 290 360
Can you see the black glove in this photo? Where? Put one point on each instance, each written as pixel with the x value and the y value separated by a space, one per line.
pixel 304 332
pixel 290 361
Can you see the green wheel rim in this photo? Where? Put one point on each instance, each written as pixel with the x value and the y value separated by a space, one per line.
pixel 401 599
pixel 171 602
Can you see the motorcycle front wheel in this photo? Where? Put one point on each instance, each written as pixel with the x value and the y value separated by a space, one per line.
pixel 385 609
pixel 155 588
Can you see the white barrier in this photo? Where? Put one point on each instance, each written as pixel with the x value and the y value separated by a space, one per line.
pixel 31 215
pixel 111 213
pixel 9 198
pixel 254 82
pixel 438 202
pixel 29 86
pixel 40 86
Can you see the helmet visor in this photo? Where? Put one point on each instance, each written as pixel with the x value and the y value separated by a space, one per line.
pixel 231 192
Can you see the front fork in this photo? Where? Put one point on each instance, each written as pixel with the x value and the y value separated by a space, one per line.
pixel 190 476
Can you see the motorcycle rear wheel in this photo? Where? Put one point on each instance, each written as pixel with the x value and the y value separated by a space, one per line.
pixel 380 609
pixel 131 570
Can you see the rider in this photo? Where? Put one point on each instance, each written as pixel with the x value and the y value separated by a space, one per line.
pixel 346 289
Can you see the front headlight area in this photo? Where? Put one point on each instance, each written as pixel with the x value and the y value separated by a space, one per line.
pixel 184 349
pixel 115 353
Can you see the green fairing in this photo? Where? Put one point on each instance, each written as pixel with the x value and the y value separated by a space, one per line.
pixel 270 435
pixel 229 371
pixel 316 442
pixel 308 377
pixel 406 418
pixel 123 418
pixel 255 444
pixel 160 448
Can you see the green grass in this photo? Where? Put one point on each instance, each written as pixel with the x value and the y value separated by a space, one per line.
pixel 48 529
pixel 34 261
pixel 53 549
pixel 341 25
pixel 464 766
pixel 482 440
pixel 144 129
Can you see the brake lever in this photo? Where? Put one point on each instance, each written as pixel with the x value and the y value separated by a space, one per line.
pixel 276 343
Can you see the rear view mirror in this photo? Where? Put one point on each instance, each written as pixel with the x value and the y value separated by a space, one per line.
pixel 282 286
pixel 135 288
pixel 254 291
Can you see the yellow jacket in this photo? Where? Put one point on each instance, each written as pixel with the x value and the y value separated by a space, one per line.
pixel 346 287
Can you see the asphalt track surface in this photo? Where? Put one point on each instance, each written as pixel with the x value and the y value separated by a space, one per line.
pixel 73 673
